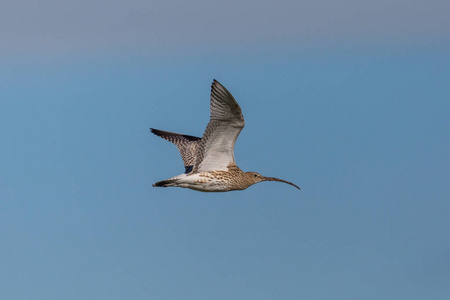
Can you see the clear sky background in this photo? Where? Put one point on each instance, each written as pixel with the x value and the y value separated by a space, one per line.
pixel 347 99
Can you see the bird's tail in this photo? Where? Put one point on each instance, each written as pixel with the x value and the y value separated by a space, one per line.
pixel 164 183
pixel 170 182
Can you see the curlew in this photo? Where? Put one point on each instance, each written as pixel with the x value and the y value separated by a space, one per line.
pixel 209 161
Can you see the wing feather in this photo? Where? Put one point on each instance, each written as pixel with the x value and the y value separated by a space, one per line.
pixel 216 148
pixel 186 144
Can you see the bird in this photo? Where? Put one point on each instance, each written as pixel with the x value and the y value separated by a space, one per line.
pixel 209 161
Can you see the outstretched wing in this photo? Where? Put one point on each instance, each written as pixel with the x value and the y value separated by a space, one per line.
pixel 216 148
pixel 186 144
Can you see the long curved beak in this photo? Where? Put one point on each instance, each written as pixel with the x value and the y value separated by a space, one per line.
pixel 279 180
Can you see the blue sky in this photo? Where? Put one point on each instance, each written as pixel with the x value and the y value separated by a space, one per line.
pixel 355 112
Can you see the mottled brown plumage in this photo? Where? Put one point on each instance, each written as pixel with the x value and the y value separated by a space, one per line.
pixel 209 161
pixel 186 144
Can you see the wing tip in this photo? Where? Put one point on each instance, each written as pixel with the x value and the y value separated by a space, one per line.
pixel 218 90
pixel 216 83
pixel 155 131
pixel 213 84
pixel 167 134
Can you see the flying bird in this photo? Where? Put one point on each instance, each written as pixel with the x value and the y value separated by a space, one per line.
pixel 209 161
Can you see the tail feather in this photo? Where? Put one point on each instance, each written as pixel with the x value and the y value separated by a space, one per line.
pixel 164 183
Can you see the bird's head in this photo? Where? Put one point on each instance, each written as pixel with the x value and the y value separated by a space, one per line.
pixel 254 177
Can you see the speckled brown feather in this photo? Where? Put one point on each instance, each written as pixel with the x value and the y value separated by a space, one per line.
pixel 186 144
pixel 234 179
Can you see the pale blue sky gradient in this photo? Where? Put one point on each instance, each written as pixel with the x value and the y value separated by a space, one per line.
pixel 362 125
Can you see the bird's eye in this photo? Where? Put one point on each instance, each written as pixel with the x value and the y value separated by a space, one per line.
pixel 256 175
